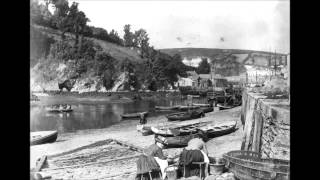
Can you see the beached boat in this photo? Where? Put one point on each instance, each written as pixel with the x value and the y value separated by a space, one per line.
pixel 133 115
pixel 186 108
pixel 179 130
pixel 145 130
pixel 201 105
pixel 177 141
pixel 206 109
pixel 55 110
pixel 41 137
pixel 214 130
pixel 183 116
pixel 223 107
pixel 204 131
pixel 166 108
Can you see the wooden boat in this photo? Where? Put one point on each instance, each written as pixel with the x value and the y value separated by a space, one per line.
pixel 176 141
pixel 145 130
pixel 201 105
pixel 183 116
pixel 41 137
pixel 186 108
pixel 166 108
pixel 204 131
pixel 223 107
pixel 248 165
pixel 180 130
pixel 215 130
pixel 133 115
pixel 54 110
pixel 206 109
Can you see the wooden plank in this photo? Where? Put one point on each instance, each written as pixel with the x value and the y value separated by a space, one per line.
pixel 248 122
pixel 258 132
pixel 40 163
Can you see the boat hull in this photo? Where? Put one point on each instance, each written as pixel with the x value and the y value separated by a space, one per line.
pixel 185 116
pixel 133 115
pixel 166 108
pixel 47 137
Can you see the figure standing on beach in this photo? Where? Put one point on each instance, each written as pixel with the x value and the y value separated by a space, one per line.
pixel 143 119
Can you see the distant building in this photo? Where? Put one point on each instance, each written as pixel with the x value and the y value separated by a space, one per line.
pixel 182 82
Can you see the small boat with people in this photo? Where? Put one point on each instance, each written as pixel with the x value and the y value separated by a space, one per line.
pixel 133 115
pixel 183 116
pixel 166 108
pixel 59 108
pixel 41 137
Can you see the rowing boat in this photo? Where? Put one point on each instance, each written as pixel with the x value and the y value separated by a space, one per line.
pixel 201 105
pixel 133 115
pixel 183 116
pixel 166 108
pixel 204 132
pixel 186 108
pixel 41 137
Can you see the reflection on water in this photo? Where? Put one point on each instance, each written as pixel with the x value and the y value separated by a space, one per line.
pixel 94 115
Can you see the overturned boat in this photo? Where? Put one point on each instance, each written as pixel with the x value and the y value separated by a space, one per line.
pixel 41 137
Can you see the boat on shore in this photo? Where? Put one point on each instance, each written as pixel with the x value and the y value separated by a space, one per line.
pixel 41 137
pixel 186 108
pixel 207 109
pixel 183 116
pixel 133 115
pixel 166 108
pixel 215 130
pixel 177 130
pixel 145 130
pixel 201 105
pixel 204 132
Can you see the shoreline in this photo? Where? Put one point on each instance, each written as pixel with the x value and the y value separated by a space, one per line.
pixel 126 132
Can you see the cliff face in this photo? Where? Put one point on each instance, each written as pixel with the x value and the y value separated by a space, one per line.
pixel 46 73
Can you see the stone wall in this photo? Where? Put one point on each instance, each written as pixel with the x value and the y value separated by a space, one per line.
pixel 267 125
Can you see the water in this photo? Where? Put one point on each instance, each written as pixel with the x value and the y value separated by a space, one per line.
pixel 92 114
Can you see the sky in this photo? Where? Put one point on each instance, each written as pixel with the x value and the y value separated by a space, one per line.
pixel 253 25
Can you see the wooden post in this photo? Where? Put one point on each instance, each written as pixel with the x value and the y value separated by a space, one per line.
pixel 288 66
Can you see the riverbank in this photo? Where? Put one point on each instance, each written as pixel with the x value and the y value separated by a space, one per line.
pixel 126 132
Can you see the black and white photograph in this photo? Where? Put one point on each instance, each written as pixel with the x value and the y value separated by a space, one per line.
pixel 159 90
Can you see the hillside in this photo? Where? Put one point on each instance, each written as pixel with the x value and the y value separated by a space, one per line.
pixel 259 58
pixel 230 62
pixel 116 51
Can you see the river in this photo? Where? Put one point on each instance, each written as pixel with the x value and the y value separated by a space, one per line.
pixel 92 114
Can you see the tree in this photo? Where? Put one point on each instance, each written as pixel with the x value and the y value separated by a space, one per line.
pixel 115 38
pixel 77 21
pixel 204 67
pixel 128 36
pixel 141 40
pixel 60 16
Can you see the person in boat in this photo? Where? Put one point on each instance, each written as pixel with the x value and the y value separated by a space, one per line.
pixel 195 152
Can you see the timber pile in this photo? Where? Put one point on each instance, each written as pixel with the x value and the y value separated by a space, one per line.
pixel 267 126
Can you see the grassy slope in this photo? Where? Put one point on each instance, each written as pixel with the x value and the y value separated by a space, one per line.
pixel 116 51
